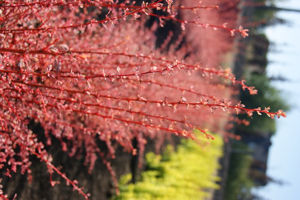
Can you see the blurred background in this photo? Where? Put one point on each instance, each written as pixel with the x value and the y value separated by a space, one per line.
pixel 283 61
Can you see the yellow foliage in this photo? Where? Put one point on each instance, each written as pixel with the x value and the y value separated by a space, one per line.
pixel 188 173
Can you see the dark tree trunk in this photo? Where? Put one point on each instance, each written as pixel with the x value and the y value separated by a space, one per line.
pixel 274 8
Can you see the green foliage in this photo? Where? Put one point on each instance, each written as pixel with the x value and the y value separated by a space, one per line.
pixel 268 96
pixel 188 173
pixel 239 184
pixel 264 14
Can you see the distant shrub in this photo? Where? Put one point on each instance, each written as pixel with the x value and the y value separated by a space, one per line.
pixel 187 173
pixel 239 183
pixel 267 96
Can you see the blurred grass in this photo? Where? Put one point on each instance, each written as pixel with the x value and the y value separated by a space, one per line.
pixel 187 173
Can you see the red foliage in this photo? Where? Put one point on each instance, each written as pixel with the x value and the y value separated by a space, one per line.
pixel 88 69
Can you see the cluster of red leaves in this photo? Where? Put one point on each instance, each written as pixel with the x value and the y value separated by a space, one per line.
pixel 87 69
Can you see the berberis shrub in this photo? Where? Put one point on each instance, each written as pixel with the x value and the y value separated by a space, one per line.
pixel 87 69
